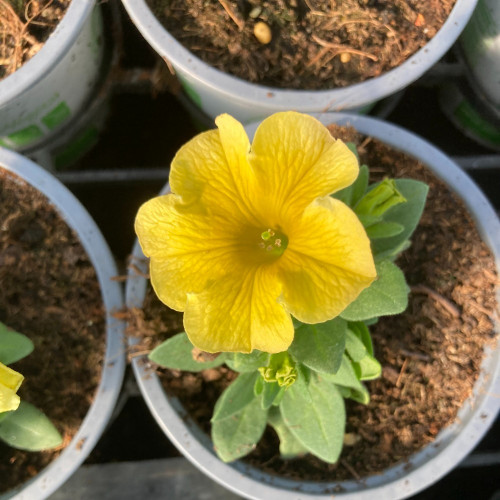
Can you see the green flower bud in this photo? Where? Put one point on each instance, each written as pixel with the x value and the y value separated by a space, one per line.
pixel 281 369
pixel 380 199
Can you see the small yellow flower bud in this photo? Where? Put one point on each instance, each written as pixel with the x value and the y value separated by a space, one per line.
pixel 262 32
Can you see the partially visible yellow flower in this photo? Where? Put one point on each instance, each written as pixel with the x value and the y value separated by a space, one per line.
pixel 250 234
pixel 10 381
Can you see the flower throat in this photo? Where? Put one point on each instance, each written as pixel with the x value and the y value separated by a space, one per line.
pixel 273 242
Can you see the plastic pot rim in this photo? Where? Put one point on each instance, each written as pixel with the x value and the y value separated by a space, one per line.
pixel 353 96
pixel 423 468
pixel 78 219
pixel 53 50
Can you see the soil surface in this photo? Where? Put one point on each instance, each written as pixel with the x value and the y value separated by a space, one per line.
pixel 313 44
pixel 49 291
pixel 430 354
pixel 24 26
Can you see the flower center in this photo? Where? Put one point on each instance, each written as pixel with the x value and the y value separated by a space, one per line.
pixel 273 242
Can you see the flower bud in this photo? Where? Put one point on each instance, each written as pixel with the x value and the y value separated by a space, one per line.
pixel 280 369
pixel 376 202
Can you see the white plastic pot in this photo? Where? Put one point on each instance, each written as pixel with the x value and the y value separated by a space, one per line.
pixel 423 468
pixel 474 117
pixel 480 44
pixel 75 215
pixel 42 96
pixel 217 92
pixel 81 132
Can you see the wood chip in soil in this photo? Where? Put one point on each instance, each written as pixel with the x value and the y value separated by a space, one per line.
pixel 316 44
pixel 430 354
pixel 49 291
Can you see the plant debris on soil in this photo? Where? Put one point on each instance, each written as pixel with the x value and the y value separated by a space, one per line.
pixel 430 354
pixel 303 44
pixel 24 27
pixel 49 291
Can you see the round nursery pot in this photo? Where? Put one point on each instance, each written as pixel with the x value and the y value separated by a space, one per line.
pixel 480 45
pixel 216 92
pixel 113 364
pixel 471 113
pixel 422 468
pixel 44 94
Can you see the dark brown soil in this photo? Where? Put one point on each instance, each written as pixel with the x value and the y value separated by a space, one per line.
pixel 24 26
pixel 316 44
pixel 430 354
pixel 49 292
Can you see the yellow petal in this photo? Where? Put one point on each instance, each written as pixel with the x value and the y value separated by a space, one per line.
pixel 10 381
pixel 9 400
pixel 239 314
pixel 328 262
pixel 187 250
pixel 212 169
pixel 10 378
pixel 295 160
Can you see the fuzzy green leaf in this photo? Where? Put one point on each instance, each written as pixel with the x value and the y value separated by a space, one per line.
pixel 237 435
pixel 240 362
pixel 320 346
pixel 176 353
pixel 407 214
pixel 361 330
pixel 29 429
pixel 384 230
pixel 319 424
pixel 354 346
pixel 360 185
pixel 346 377
pixel 13 345
pixel 236 396
pixel 353 193
pixel 290 447
pixel 368 368
pixel 387 295
pixel 270 393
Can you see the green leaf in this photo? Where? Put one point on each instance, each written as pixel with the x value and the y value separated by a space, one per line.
pixel 360 185
pixel 176 353
pixel 354 346
pixel 369 220
pixel 240 362
pixel 346 377
pixel 368 368
pixel 361 330
pixel 29 429
pixel 318 425
pixel 270 393
pixel 407 214
pixel 384 230
pixel 290 447
pixel 236 436
pixel 387 295
pixel 258 388
pixel 302 382
pixel 353 193
pixel 320 347
pixel 236 396
pixel 13 345
pixel 353 148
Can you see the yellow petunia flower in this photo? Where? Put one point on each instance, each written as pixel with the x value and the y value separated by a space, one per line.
pixel 250 234
pixel 10 381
